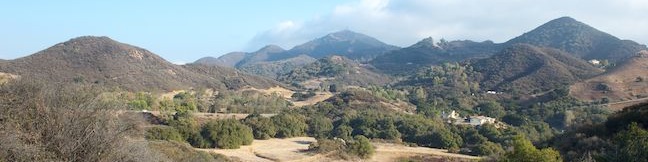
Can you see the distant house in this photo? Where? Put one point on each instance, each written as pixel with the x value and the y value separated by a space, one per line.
pixel 451 115
pixel 493 92
pixel 594 62
pixel 480 120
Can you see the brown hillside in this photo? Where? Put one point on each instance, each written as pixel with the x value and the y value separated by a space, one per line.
pixel 233 79
pixel 628 81
pixel 528 69
pixel 103 61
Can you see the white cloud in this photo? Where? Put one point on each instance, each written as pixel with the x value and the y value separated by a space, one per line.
pixel 404 22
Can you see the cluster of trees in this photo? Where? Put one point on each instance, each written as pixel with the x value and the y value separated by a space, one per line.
pixel 229 133
pixel 200 101
pixel 623 137
pixel 248 102
pixel 226 134
pixel 349 119
pixel 301 96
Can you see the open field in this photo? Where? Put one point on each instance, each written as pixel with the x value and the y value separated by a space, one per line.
pixel 294 149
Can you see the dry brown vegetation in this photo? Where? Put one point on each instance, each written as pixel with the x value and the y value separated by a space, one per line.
pixel 623 83
pixel 69 123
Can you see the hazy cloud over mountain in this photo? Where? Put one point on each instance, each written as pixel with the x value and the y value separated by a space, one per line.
pixel 404 22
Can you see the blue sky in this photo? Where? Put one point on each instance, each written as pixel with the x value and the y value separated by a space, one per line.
pixel 183 31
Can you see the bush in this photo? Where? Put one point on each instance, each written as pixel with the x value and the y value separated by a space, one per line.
pixel 164 133
pixel 326 146
pixel 65 123
pixel 227 134
pixel 289 125
pixel 262 127
pixel 302 96
pixel 523 150
pixel 361 147
pixel 319 127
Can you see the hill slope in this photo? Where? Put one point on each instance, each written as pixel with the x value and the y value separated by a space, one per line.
pixel 627 81
pixel 426 52
pixel 232 78
pixel 103 61
pixel 272 60
pixel 334 70
pixel 579 39
pixel 526 69
pixel 349 44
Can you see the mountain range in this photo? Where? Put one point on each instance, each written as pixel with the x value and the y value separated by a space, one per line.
pixel 551 56
pixel 270 60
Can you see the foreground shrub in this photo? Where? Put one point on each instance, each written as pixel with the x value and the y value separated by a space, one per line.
pixel 361 147
pixel 227 134
pixel 65 123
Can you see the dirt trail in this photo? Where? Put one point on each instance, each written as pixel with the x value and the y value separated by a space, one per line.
pixel 319 96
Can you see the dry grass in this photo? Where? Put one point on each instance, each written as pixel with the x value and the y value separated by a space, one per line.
pixel 270 150
pixel 283 92
pixel 287 94
pixel 5 77
pixel 622 81
pixel 293 149
pixel 319 96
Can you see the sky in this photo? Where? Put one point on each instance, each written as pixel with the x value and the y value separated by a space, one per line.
pixel 184 31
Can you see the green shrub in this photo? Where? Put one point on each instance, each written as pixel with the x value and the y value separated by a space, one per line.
pixel 319 126
pixel 227 134
pixel 361 147
pixel 326 146
pixel 289 125
pixel 262 127
pixel 164 133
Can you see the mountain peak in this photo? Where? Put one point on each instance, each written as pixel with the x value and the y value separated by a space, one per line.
pixel 566 23
pixel 578 39
pixel 353 45
pixel 345 35
pixel 270 49
pixel 427 42
pixel 90 39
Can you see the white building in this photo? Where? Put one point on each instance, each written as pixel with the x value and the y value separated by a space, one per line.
pixel 480 120
pixel 594 62
pixel 451 115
